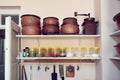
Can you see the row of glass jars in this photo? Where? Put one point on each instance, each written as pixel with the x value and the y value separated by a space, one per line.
pixel 60 51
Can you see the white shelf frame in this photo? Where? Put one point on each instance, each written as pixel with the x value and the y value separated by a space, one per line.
pixel 52 58
pixel 57 36
pixel 2 27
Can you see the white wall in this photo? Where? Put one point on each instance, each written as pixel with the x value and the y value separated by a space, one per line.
pixel 108 9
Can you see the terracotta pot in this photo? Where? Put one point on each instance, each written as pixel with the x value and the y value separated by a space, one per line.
pixel 69 28
pixel 29 20
pixel 50 29
pixel 117 46
pixel 69 20
pixel 31 30
pixel 90 26
pixel 51 21
pixel 116 18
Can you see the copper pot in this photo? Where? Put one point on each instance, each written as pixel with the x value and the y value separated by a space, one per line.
pixel 29 19
pixel 51 21
pixel 50 29
pixel 70 28
pixel 117 46
pixel 69 20
pixel 116 18
pixel 31 30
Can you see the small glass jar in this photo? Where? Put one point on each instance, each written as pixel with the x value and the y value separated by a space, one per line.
pixel 32 52
pixel 69 52
pixel 38 52
pixel 27 52
pixel 83 51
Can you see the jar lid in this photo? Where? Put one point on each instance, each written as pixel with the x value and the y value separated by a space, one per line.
pixel 116 16
pixel 30 15
pixel 89 19
pixel 70 18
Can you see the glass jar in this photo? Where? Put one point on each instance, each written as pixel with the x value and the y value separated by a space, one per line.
pixel 83 51
pixel 32 52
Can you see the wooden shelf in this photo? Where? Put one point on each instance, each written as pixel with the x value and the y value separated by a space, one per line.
pixel 59 59
pixel 57 36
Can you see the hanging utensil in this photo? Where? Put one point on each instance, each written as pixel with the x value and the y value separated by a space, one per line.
pixel 70 71
pixel 54 74
pixel 61 71
pixel 31 72
pixel 24 73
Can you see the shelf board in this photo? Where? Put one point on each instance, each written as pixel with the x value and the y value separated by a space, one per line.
pixel 57 36
pixel 2 27
pixel 116 61
pixel 116 33
pixel 59 59
pixel 115 58
pixel 116 36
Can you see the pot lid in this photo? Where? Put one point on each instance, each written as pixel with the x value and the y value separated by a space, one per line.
pixel 30 15
pixel 50 17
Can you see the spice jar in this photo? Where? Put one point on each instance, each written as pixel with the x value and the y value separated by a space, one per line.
pixel 32 52
pixel 83 51
pixel 27 52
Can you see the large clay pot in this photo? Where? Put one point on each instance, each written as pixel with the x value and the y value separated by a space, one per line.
pixel 90 26
pixel 51 21
pixel 69 20
pixel 50 29
pixel 70 28
pixel 29 20
pixel 116 18
pixel 117 46
pixel 31 30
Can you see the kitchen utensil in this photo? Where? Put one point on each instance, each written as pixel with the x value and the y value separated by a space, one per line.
pixel 90 26
pixel 31 72
pixel 30 20
pixel 61 71
pixel 70 28
pixel 51 21
pixel 24 73
pixel 54 74
pixel 70 20
pixel 70 71
pixel 50 29
pixel 31 30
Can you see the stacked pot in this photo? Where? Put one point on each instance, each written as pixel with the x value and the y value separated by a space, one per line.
pixel 30 24
pixel 50 25
pixel 70 26
pixel 116 18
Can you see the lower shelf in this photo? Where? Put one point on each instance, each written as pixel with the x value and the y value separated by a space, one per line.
pixel 59 59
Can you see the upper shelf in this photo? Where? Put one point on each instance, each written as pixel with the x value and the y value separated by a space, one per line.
pixel 57 36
